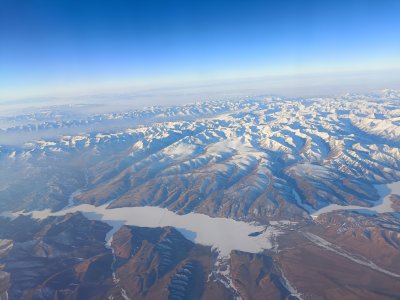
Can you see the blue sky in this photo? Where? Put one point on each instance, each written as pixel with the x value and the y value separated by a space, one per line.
pixel 56 46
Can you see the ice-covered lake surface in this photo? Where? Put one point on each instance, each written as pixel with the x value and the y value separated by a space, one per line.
pixel 222 234
pixel 384 204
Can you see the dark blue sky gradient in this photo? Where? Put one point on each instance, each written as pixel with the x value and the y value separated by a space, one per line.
pixel 48 43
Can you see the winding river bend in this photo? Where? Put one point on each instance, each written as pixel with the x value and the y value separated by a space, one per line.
pixel 382 206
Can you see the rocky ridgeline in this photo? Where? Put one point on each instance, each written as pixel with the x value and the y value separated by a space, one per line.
pixel 5 247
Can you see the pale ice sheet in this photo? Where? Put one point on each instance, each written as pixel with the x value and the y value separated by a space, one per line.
pixel 222 234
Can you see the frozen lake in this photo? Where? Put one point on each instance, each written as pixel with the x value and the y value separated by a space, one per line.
pixel 222 234
pixel 383 205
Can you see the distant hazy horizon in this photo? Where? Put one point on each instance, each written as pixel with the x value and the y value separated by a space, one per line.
pixel 175 93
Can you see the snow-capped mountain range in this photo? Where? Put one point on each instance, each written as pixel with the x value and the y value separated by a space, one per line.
pixel 252 159
pixel 259 198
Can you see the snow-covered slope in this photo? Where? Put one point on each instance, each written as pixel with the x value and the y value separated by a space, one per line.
pixel 252 159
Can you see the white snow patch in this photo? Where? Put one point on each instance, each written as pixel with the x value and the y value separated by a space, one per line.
pixel 307 170
pixel 180 149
